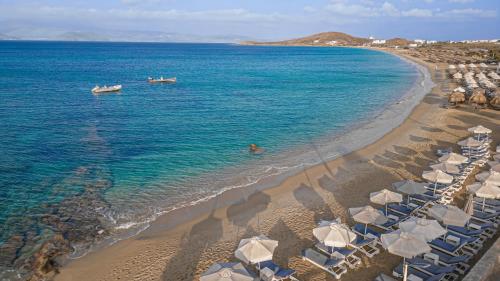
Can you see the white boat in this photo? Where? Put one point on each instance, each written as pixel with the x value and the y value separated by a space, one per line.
pixel 162 80
pixel 106 89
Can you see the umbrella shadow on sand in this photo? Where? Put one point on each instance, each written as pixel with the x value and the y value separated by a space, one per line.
pixel 201 236
pixel 311 200
pixel 290 244
pixel 247 209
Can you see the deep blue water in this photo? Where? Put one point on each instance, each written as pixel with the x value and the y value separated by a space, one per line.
pixel 155 146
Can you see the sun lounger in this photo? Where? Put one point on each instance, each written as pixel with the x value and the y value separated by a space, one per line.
pixel 370 232
pixel 383 277
pixel 278 272
pixel 398 272
pixel 366 246
pixel 448 248
pixel 489 228
pixel 432 269
pixel 340 253
pixel 401 209
pixel 437 257
pixel 334 267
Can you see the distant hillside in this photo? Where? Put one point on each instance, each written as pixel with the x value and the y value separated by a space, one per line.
pixel 324 38
pixel 6 37
pixel 398 42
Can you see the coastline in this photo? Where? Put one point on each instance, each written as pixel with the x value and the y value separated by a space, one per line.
pixel 175 249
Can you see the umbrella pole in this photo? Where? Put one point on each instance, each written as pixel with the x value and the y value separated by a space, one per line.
pixel 366 226
pixel 435 186
pixel 405 269
pixel 386 209
pixel 484 201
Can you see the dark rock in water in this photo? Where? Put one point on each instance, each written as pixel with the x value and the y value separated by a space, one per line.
pixel 48 239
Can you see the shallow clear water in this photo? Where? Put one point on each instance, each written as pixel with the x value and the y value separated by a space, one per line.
pixel 152 147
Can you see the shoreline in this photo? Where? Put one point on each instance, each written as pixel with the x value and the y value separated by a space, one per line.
pixel 342 144
pixel 226 224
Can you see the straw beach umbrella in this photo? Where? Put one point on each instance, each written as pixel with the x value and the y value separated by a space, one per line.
pixel 478 98
pixel 453 158
pixel 334 234
pixel 405 245
pixel 447 168
pixel 233 271
pixel 385 197
pixel 489 177
pixel 470 142
pixel 449 215
pixel 437 176
pixel 428 229
pixel 256 249
pixel 484 190
pixel 456 97
pixel 495 102
pixel 367 215
pixel 480 129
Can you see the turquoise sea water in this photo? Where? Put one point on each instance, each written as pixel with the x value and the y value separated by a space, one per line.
pixel 121 158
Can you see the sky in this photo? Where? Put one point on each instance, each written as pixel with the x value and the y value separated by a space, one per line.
pixel 258 19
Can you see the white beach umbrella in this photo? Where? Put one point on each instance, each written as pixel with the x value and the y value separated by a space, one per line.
pixel 424 228
pixel 471 65
pixel 437 176
pixel 447 168
pixel 457 76
pixel 367 215
pixel 385 197
pixel 405 245
pixel 494 166
pixel 470 142
pixel 453 158
pixel 233 271
pixel 459 89
pixel 479 130
pixel 449 215
pixel 256 249
pixel 334 234
pixel 410 187
pixel 489 177
pixel 484 190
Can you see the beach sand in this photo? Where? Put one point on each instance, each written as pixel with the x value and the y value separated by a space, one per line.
pixel 170 250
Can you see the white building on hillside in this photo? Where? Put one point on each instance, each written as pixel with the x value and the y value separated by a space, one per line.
pixel 379 41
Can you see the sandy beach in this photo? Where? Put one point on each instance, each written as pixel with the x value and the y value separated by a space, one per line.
pixel 172 249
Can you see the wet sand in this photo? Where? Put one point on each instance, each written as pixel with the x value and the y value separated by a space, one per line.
pixel 174 250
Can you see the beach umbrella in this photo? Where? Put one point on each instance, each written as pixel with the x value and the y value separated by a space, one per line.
pixel 449 215
pixel 385 197
pixel 479 130
pixel 484 190
pixel 367 215
pixel 469 205
pixel 410 187
pixel 405 245
pixel 457 76
pixel 459 89
pixel 453 158
pixel 470 142
pixel 456 97
pixel 489 177
pixel 424 228
pixel 471 65
pixel 478 98
pixel 437 176
pixel 334 234
pixel 256 249
pixel 495 102
pixel 494 166
pixel 447 168
pixel 231 271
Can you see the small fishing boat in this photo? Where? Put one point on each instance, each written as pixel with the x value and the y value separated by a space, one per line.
pixel 162 80
pixel 106 89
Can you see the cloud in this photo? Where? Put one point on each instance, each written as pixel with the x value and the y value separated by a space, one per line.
pixel 310 9
pixel 390 10
pixel 417 13
pixel 462 13
pixel 340 7
pixel 461 1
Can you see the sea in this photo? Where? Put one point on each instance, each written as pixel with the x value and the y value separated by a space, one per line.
pixel 100 167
